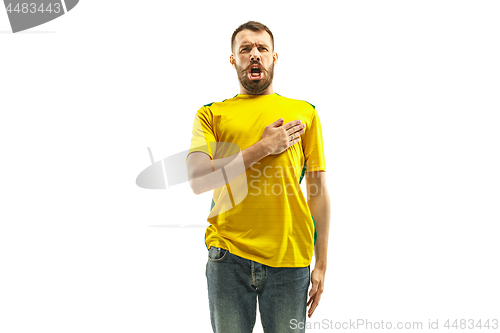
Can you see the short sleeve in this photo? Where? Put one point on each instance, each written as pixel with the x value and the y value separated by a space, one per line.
pixel 312 143
pixel 203 132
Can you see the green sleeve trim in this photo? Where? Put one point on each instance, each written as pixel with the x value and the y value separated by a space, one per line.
pixel 303 172
pixel 310 104
pixel 315 234
pixel 210 104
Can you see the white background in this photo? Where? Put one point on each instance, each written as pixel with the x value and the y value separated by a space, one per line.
pixel 408 96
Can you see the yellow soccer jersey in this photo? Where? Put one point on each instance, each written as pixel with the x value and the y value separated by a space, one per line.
pixel 262 215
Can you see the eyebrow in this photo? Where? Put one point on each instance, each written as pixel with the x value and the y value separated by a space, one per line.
pixel 248 43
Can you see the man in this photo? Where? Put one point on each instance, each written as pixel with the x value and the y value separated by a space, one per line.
pixel 262 231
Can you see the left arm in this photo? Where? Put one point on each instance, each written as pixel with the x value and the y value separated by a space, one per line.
pixel 318 201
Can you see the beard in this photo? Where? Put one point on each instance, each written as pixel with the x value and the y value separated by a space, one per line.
pixel 255 87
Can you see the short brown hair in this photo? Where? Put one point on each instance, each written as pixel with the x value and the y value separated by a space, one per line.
pixel 254 26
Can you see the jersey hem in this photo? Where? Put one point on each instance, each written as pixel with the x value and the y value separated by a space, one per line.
pixel 271 263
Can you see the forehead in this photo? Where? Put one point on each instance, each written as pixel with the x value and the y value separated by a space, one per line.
pixel 253 37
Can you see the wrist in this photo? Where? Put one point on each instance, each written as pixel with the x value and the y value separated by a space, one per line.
pixel 321 265
pixel 263 147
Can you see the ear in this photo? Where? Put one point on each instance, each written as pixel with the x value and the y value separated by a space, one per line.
pixel 275 57
pixel 232 61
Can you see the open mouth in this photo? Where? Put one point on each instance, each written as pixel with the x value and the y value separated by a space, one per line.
pixel 255 73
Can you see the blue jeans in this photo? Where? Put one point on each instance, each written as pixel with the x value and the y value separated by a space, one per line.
pixel 235 283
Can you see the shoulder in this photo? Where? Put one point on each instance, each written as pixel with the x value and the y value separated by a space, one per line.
pixel 308 110
pixel 297 102
pixel 217 104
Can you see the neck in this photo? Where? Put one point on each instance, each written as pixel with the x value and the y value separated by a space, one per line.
pixel 268 91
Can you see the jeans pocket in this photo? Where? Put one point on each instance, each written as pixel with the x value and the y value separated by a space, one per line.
pixel 216 254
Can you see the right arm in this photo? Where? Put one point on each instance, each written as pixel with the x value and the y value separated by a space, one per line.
pixel 275 139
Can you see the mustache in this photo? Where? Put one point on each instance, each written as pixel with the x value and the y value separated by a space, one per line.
pixel 263 69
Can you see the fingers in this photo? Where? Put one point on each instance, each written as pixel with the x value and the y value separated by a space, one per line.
pixel 296 135
pixel 314 305
pixel 291 124
pixel 291 143
pixel 286 135
pixel 315 295
pixel 296 129
pixel 277 123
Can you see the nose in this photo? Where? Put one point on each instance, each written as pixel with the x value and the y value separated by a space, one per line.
pixel 254 55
